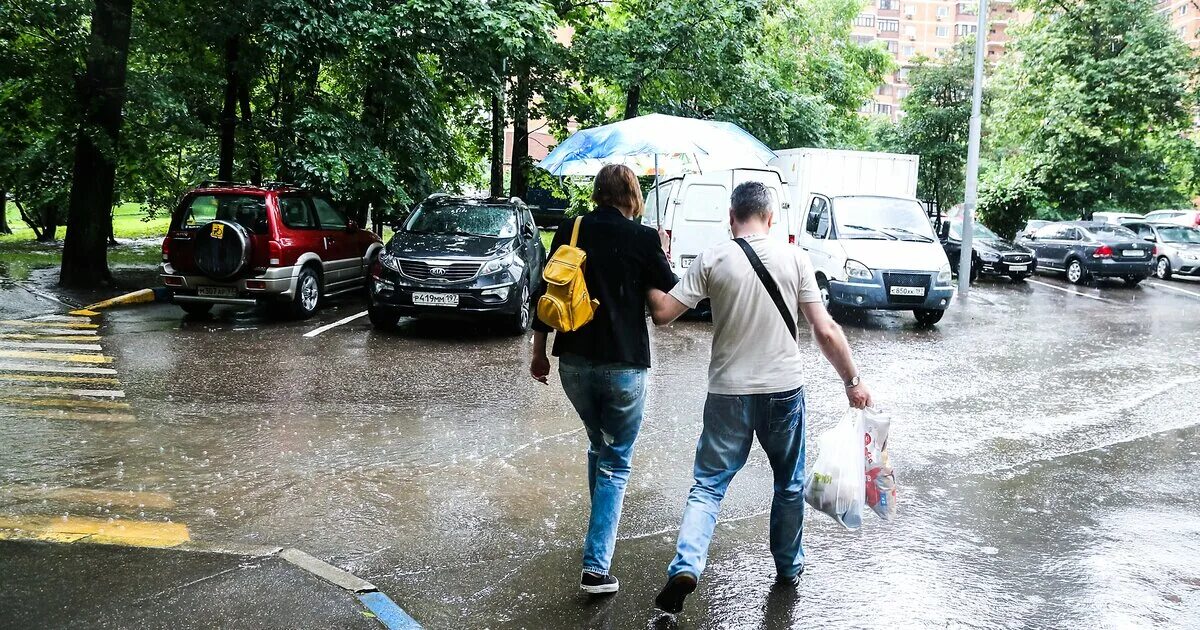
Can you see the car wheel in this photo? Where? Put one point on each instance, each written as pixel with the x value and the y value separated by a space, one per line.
pixel 382 319
pixel 308 294
pixel 832 307
pixel 1163 268
pixel 928 316
pixel 1076 273
pixel 1019 277
pixel 1133 281
pixel 974 269
pixel 196 308
pixel 519 322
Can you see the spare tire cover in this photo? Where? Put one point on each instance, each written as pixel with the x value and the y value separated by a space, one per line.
pixel 222 249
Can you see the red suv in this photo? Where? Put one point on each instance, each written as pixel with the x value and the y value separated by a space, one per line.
pixel 275 244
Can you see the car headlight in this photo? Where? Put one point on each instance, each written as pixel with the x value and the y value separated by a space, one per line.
pixel 855 269
pixel 389 261
pixel 944 275
pixel 497 265
pixel 987 256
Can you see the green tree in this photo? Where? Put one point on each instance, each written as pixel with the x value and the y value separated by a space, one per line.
pixel 1093 91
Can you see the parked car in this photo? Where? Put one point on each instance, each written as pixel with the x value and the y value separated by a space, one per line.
pixel 1178 247
pixel 459 257
pixel 992 255
pixel 877 253
pixel 1190 218
pixel 277 245
pixel 1031 226
pixel 1082 250
pixel 1116 217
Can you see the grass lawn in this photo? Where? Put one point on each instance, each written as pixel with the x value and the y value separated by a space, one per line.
pixel 20 254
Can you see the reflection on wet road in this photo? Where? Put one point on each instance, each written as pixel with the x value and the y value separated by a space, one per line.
pixel 1045 442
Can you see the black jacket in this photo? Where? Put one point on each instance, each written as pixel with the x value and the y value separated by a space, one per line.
pixel 624 260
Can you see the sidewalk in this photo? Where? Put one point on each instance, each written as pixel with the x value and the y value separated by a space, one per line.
pixel 100 586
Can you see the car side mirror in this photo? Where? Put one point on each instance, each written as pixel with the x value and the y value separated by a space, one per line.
pixel 528 231
pixel 1149 237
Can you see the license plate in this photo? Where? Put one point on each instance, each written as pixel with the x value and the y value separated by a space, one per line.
pixel 435 299
pixel 918 291
pixel 686 261
pixel 1018 267
pixel 227 292
pixel 1133 253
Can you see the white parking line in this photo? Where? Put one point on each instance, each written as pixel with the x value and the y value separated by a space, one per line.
pixel 58 392
pixel 1167 286
pixel 50 346
pixel 345 320
pixel 1070 291
pixel 47 369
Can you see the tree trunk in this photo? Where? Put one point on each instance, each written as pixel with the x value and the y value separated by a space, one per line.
pixel 29 220
pixel 4 229
pixel 49 223
pixel 519 181
pixel 253 164
pixel 497 183
pixel 229 121
pixel 633 100
pixel 101 98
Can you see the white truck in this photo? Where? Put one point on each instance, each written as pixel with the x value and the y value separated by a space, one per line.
pixel 867 235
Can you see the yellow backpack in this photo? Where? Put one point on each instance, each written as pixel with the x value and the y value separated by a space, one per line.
pixel 566 306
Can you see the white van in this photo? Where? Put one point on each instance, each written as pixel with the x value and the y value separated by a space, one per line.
pixel 694 210
pixel 876 252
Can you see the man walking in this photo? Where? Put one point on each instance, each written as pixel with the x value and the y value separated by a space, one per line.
pixel 757 288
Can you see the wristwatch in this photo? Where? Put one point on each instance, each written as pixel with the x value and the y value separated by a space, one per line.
pixel 852 383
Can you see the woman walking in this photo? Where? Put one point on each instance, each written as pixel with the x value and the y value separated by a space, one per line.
pixel 603 364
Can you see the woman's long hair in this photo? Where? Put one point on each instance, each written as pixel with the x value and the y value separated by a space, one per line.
pixel 617 186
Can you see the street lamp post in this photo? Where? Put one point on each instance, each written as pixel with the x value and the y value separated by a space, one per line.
pixel 972 191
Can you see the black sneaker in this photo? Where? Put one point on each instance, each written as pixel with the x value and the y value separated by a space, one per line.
pixel 784 581
pixel 598 584
pixel 670 598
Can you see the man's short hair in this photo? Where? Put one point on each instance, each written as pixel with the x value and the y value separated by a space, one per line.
pixel 751 200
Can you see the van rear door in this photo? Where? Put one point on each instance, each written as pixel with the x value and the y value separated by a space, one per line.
pixel 701 218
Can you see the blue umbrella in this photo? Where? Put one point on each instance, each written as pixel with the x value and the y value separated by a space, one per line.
pixel 671 143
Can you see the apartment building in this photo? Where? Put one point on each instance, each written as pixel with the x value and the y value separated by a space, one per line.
pixel 912 28
pixel 1184 16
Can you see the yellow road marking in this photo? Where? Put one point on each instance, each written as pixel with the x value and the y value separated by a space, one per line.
pixel 85 312
pixel 94 530
pixel 39 378
pixel 127 498
pixel 73 337
pixel 37 345
pixel 19 323
pixel 54 414
pixel 62 402
pixel 62 357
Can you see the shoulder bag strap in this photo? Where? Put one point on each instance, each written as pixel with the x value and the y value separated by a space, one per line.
pixel 769 283
pixel 575 231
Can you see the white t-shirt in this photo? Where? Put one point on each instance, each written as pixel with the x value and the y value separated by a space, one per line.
pixel 752 350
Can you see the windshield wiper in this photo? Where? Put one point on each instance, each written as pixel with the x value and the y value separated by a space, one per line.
pixel 465 233
pixel 924 239
pixel 867 229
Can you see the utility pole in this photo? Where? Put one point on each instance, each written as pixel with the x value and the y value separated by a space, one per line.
pixel 976 137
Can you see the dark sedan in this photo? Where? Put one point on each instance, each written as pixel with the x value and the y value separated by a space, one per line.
pixel 1082 250
pixel 993 255
pixel 459 257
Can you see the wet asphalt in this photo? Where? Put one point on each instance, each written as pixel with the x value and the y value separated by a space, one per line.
pixel 1044 436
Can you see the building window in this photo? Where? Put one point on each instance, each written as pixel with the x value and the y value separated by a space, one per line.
pixel 940 50
pixel 910 11
pixel 943 12
pixel 902 93
pixel 865 20
pixel 884 90
pixel 883 108
pixel 889 5
pixel 1183 9
pixel 910 51
pixel 893 46
pixel 910 31
pixel 889 26
pixel 962 29
pixel 902 75
pixel 943 31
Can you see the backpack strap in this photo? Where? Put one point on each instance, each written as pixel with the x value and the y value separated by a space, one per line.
pixel 575 231
pixel 769 284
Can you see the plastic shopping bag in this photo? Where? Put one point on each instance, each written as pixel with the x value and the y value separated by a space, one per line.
pixel 837 483
pixel 880 479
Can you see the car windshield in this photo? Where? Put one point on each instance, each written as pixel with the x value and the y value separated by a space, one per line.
pixel 979 231
pixel 1179 234
pixel 1111 231
pixel 881 218
pixel 463 220
pixel 250 211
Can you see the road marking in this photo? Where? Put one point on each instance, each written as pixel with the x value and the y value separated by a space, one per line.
pixel 72 337
pixel 38 378
pixel 387 612
pixel 43 332
pixel 61 318
pixel 345 320
pixel 94 530
pixel 1070 291
pixel 62 402
pixel 81 416
pixel 42 391
pixel 1167 286
pixel 60 357
pixel 127 498
pixel 19 323
pixel 54 369
pixel 51 346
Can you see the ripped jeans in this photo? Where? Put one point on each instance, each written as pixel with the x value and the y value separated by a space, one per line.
pixel 609 399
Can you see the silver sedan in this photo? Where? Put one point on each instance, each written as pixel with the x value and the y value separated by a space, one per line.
pixel 1178 247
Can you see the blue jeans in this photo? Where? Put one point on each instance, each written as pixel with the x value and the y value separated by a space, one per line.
pixel 609 398
pixel 730 424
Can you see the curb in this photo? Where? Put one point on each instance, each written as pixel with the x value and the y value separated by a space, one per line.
pixel 142 296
